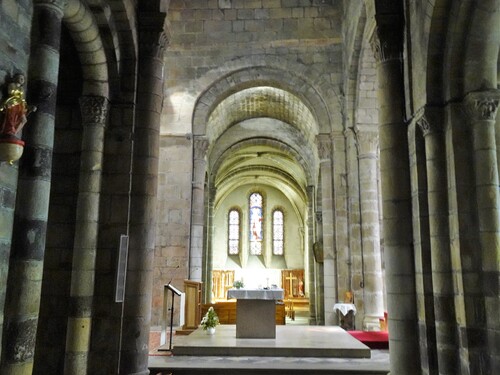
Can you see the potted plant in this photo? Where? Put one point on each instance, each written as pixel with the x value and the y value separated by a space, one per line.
pixel 210 321
pixel 238 284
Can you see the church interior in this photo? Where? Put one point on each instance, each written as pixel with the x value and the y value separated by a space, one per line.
pixel 346 152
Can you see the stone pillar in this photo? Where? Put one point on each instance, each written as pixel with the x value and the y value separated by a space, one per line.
pixel 442 275
pixel 422 249
pixel 482 109
pixel 200 147
pixel 33 193
pixel 350 272
pixel 139 283
pixel 94 113
pixel 396 199
pixel 320 270
pixel 373 286
pixel 310 256
pixel 208 253
pixel 329 265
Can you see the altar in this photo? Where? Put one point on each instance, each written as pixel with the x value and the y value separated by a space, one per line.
pixel 255 312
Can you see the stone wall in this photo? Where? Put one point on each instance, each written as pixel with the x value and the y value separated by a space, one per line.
pixel 173 224
pixel 208 39
pixel 273 198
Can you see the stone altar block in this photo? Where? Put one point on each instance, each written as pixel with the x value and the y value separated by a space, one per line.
pixel 255 312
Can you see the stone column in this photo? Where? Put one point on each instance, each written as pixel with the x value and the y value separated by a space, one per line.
pixel 32 207
pixel 330 275
pixel 310 256
pixel 442 275
pixel 94 113
pixel 396 199
pixel 139 283
pixel 208 253
pixel 373 287
pixel 422 249
pixel 482 109
pixel 200 147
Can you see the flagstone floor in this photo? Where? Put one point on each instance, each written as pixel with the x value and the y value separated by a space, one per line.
pixel 377 363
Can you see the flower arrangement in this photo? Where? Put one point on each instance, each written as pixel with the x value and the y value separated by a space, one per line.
pixel 238 284
pixel 210 320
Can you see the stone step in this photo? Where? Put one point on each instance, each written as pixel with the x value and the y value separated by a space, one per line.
pixel 378 364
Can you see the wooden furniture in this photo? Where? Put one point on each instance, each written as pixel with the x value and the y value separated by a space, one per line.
pixel 222 280
pixel 226 311
pixel 192 309
pixel 293 283
pixel 289 310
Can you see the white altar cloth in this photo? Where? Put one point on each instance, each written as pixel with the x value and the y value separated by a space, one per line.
pixel 266 294
pixel 344 308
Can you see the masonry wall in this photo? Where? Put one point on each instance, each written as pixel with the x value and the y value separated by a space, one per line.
pixel 273 198
pixel 174 212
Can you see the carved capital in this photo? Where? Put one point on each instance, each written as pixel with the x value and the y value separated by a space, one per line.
pixel 152 44
pixel 424 126
pixel 367 143
pixel 153 39
pixel 94 109
pixel 200 145
pixel 319 216
pixel 324 144
pixel 387 40
pixel 482 105
pixel 429 120
pixel 59 5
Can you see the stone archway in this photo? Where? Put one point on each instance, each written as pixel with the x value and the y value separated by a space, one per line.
pixel 260 92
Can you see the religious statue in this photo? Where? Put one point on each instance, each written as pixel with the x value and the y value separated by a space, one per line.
pixel 14 109
pixel 301 288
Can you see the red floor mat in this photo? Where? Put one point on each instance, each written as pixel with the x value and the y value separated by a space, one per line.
pixel 372 339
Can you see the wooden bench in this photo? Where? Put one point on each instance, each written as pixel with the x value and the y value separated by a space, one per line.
pixel 226 311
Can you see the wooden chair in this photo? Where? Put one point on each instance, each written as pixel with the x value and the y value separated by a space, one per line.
pixel 348 297
pixel 290 312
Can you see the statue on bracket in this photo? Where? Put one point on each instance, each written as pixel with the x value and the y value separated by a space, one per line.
pixel 13 116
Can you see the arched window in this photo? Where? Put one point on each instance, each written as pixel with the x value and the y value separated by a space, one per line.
pixel 256 222
pixel 278 232
pixel 234 232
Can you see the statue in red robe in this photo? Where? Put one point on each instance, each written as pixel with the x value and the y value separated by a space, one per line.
pixel 14 109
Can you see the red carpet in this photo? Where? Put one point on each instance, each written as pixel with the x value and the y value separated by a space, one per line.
pixel 372 339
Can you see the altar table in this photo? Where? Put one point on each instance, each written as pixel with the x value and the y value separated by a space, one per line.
pixel 255 312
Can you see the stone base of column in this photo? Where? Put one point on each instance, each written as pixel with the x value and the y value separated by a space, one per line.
pixel 371 323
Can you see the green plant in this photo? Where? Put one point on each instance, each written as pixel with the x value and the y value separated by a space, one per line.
pixel 238 284
pixel 210 320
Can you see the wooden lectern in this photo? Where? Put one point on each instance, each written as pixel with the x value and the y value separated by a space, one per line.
pixel 192 307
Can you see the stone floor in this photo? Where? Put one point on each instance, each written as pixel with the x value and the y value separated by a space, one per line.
pixel 378 364
pixel 290 341
pixel 375 363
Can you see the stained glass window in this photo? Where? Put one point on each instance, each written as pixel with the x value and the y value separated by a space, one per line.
pixel 278 232
pixel 234 232
pixel 256 221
